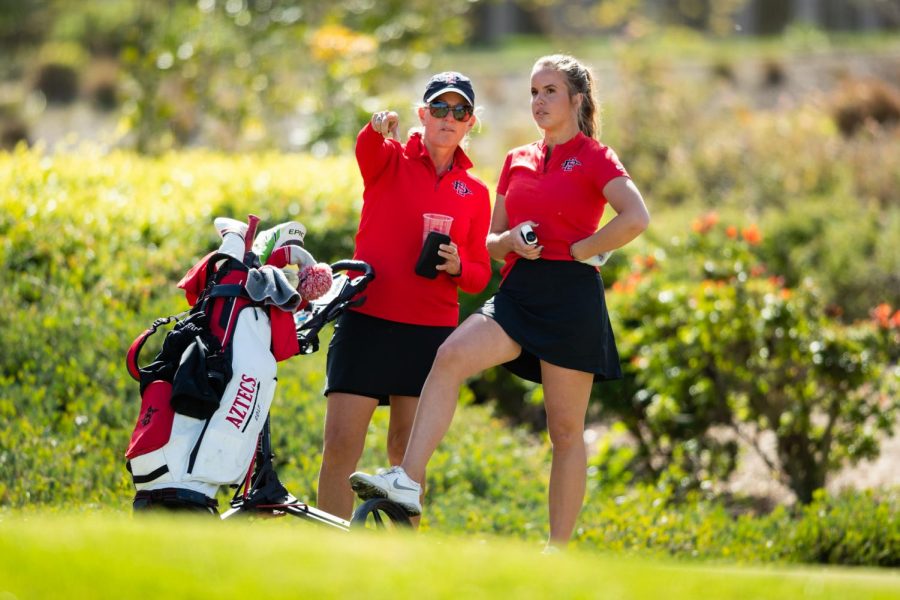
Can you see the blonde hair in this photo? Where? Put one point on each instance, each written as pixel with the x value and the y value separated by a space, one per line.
pixel 579 80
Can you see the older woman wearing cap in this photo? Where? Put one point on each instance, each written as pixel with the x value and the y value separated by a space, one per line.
pixel 381 351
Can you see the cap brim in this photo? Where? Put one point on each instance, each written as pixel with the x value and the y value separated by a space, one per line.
pixel 450 89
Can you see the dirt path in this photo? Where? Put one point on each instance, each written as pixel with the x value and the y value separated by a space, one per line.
pixel 753 477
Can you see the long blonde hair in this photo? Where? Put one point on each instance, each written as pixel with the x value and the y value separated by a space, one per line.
pixel 579 80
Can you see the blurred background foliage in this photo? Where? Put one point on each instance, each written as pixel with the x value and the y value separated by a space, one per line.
pixel 758 315
pixel 302 74
pixel 227 72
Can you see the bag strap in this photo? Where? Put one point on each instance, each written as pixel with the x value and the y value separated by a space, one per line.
pixel 134 352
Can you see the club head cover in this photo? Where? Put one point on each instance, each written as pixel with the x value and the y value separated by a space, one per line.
pixel 291 233
pixel 232 233
pixel 315 281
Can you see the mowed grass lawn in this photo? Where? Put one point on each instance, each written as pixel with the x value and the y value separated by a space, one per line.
pixel 116 556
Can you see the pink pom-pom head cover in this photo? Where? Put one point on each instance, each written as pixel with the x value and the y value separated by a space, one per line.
pixel 315 281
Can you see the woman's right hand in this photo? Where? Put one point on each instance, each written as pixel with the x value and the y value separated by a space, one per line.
pixel 387 123
pixel 518 245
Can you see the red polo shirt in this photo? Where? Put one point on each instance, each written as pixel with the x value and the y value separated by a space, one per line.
pixel 400 186
pixel 564 195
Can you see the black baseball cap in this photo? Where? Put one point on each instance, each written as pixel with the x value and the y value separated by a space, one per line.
pixel 449 81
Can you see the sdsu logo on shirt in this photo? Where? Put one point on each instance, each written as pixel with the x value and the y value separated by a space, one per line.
pixel 461 188
pixel 569 164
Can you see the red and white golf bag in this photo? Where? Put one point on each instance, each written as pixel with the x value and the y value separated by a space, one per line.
pixel 205 398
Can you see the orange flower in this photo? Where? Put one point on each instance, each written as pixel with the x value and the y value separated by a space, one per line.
pixel 705 223
pixel 757 270
pixel 751 234
pixel 731 231
pixel 895 320
pixel 786 293
pixel 881 314
pixel 650 261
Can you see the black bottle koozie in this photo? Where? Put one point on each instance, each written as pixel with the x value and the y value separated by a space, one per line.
pixel 429 258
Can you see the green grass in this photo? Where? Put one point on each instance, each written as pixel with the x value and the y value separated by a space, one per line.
pixel 110 555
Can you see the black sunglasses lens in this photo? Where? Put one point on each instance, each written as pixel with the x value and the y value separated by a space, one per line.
pixel 461 112
pixel 439 109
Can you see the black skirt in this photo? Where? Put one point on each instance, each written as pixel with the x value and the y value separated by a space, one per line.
pixel 556 310
pixel 378 358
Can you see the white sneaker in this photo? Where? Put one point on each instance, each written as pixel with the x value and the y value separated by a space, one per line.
pixel 394 484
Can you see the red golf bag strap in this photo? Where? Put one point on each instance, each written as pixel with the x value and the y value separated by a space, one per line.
pixel 134 352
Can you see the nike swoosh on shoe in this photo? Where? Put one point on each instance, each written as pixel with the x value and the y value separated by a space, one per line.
pixel 397 486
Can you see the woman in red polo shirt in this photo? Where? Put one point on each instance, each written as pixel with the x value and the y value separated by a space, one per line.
pixel 548 321
pixel 381 351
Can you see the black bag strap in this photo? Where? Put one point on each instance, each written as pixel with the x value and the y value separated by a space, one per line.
pixel 134 352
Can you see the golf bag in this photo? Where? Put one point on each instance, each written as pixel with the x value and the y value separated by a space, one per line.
pixel 206 396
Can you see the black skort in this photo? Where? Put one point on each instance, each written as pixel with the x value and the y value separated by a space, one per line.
pixel 556 310
pixel 378 358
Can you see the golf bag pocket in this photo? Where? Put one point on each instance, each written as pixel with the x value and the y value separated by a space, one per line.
pixel 154 424
pixel 228 443
pixel 201 378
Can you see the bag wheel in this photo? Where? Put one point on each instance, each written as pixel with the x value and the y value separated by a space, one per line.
pixel 379 513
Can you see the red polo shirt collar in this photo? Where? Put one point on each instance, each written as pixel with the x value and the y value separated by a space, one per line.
pixel 570 146
pixel 415 148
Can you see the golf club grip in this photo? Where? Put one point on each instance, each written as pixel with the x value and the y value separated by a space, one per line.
pixel 252 222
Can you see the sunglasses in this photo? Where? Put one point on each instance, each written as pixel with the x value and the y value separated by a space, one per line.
pixel 461 112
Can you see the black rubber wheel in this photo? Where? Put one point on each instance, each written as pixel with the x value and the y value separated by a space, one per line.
pixel 379 513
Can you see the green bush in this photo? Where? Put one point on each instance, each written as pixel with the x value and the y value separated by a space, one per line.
pixel 713 339
pixel 855 528
pixel 830 205
pixel 847 249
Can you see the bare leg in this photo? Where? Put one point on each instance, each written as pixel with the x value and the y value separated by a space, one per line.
pixel 477 344
pixel 346 423
pixel 403 411
pixel 566 396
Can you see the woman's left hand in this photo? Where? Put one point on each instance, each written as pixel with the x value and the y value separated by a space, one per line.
pixel 452 264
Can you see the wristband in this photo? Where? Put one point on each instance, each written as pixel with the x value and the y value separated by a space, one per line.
pixel 597 260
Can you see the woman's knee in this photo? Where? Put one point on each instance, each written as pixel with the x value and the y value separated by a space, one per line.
pixel 451 357
pixel 566 437
pixel 342 446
